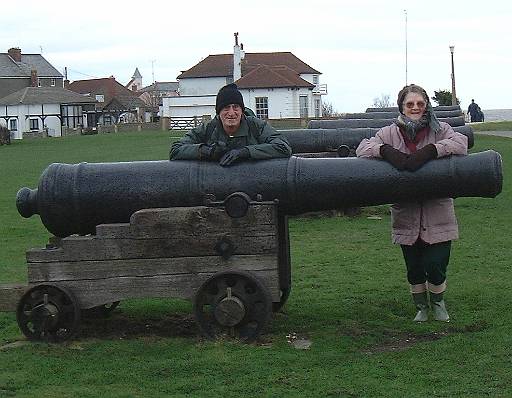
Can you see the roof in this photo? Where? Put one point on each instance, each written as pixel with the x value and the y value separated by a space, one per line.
pixel 160 86
pixel 136 74
pixel 110 89
pixel 29 62
pixel 45 95
pixel 272 77
pixel 222 64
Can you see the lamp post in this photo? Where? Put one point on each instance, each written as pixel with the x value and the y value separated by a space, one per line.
pixel 454 94
pixel 405 12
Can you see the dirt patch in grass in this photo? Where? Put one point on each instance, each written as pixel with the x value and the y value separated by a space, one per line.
pixel 403 341
pixel 118 325
pixel 400 341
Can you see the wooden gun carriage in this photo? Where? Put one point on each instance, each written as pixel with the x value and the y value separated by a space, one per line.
pixel 230 258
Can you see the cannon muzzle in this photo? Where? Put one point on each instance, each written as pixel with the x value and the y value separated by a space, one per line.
pixel 74 198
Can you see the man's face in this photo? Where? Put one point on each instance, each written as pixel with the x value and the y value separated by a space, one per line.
pixel 231 116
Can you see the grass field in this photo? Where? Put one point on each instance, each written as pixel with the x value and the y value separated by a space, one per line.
pixel 349 298
pixel 493 126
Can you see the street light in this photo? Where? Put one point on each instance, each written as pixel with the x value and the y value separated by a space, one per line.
pixel 454 95
pixel 405 12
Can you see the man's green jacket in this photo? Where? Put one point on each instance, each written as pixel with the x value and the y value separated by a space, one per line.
pixel 261 139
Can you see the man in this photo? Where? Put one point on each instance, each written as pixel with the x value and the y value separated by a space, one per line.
pixel 475 112
pixel 231 136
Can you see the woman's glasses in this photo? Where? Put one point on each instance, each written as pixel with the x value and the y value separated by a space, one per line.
pixel 419 104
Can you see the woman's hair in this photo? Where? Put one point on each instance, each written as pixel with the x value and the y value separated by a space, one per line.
pixel 411 88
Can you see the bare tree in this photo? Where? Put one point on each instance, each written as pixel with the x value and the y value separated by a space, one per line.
pixel 382 102
pixel 328 110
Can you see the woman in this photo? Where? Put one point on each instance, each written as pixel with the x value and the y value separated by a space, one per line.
pixel 423 229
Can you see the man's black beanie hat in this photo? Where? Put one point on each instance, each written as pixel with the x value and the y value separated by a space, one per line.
pixel 228 95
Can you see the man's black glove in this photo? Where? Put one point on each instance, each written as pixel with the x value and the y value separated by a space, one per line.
pixel 212 152
pixel 234 155
pixel 393 156
pixel 420 157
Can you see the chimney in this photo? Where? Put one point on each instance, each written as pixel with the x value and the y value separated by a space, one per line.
pixel 237 60
pixel 66 80
pixel 33 78
pixel 15 53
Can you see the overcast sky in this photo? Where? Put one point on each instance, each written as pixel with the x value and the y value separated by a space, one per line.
pixel 359 46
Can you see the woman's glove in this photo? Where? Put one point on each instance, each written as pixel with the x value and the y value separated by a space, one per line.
pixel 234 155
pixel 393 156
pixel 420 157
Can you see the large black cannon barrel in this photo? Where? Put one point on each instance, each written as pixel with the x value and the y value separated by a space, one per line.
pixel 394 115
pixel 395 108
pixel 361 123
pixel 325 140
pixel 74 198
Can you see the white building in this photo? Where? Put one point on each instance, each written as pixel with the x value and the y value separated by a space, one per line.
pixel 274 85
pixel 38 109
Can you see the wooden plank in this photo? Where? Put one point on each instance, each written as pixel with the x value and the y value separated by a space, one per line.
pixel 80 248
pixel 78 270
pixel 91 293
pixel 10 294
pixel 191 221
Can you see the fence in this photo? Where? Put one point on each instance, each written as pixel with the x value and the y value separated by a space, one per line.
pixel 187 123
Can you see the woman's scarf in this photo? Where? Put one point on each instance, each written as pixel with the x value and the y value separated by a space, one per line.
pixel 412 127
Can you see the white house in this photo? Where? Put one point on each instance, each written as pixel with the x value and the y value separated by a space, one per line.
pixel 38 109
pixel 274 85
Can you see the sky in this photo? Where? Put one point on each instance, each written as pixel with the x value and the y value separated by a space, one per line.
pixel 358 46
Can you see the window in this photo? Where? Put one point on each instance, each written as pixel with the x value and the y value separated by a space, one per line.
pixel 107 120
pixel 262 107
pixel 38 82
pixel 34 124
pixel 13 125
pixel 100 98
pixel 315 80
pixel 52 82
pixel 303 106
pixel 317 107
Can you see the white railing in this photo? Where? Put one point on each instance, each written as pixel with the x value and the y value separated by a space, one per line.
pixel 320 89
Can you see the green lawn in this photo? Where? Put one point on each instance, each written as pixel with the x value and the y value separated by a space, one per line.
pixel 493 126
pixel 349 298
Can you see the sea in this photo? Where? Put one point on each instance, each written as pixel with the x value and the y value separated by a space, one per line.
pixel 496 115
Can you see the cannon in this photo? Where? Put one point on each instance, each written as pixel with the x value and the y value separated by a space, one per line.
pixel 393 115
pixel 395 108
pixel 361 123
pixel 156 229
pixel 75 198
pixel 327 141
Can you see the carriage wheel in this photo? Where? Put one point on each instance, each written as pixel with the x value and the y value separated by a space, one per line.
pixel 48 313
pixel 232 303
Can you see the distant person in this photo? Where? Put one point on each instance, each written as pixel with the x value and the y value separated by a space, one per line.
pixel 5 136
pixel 475 113
pixel 231 136
pixel 424 229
